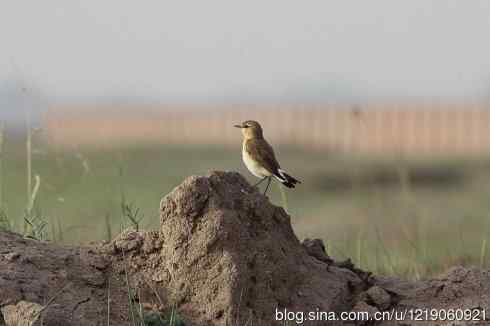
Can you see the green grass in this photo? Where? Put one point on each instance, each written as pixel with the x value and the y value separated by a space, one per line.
pixel 411 218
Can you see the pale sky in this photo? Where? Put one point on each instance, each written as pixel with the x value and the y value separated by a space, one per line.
pixel 203 50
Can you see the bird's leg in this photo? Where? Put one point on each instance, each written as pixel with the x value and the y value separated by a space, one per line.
pixel 255 185
pixel 268 184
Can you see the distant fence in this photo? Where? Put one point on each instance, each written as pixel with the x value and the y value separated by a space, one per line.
pixel 411 130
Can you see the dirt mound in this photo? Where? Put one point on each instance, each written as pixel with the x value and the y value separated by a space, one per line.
pixel 243 250
pixel 224 255
pixel 227 256
pixel 60 285
pixel 458 289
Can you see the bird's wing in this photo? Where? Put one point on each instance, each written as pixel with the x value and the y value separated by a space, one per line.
pixel 262 152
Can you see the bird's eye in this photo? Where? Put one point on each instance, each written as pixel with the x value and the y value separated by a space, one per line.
pixel 246 126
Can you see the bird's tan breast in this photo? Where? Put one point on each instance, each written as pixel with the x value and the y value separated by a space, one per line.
pixel 252 165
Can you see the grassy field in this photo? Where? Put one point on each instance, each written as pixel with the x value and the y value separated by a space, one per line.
pixel 411 218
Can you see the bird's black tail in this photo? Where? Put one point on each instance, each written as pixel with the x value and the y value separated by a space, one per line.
pixel 286 179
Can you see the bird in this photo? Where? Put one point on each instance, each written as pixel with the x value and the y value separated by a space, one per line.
pixel 259 157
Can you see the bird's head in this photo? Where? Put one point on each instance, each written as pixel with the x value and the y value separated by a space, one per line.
pixel 250 129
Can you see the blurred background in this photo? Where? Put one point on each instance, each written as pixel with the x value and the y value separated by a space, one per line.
pixel 381 108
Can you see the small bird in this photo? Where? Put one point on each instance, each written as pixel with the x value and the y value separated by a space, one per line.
pixel 259 157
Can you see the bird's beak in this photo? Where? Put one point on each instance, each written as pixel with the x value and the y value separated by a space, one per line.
pixel 237 126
